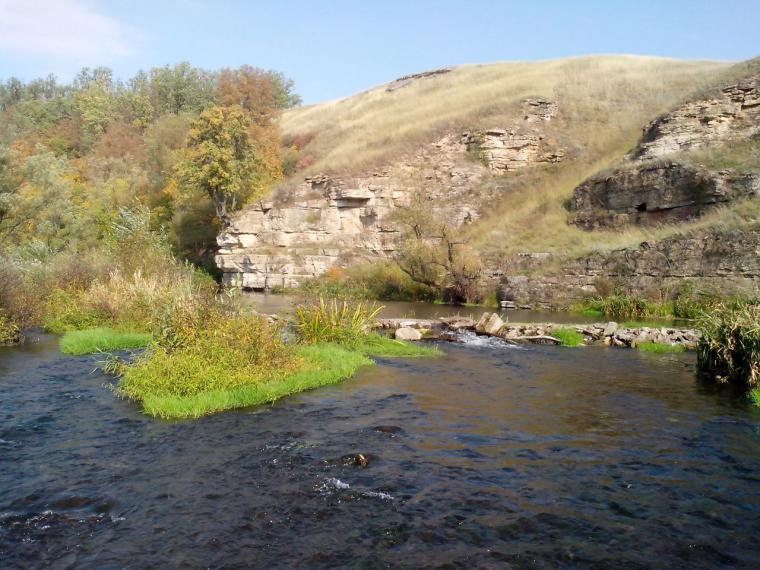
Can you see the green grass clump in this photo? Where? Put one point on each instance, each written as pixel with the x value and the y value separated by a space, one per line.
pixel 344 322
pixel 320 365
pixel 628 307
pixel 755 396
pixel 660 347
pixel 729 348
pixel 216 352
pixel 586 311
pixel 101 340
pixel 645 324
pixel 568 336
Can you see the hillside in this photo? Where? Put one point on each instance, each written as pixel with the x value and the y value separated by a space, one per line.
pixel 491 152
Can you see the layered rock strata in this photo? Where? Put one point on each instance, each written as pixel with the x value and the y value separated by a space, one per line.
pixel 657 193
pixel 721 261
pixel 336 221
pixel 654 187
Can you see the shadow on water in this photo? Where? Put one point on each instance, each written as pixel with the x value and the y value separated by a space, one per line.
pixel 489 457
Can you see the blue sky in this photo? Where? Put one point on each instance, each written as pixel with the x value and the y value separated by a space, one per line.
pixel 332 49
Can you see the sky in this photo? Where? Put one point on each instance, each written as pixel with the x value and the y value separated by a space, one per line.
pixel 332 49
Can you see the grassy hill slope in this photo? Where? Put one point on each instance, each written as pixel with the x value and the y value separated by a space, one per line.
pixel 604 102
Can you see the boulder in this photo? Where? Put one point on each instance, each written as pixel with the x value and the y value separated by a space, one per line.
pixel 610 329
pixel 494 325
pixel 480 326
pixel 408 333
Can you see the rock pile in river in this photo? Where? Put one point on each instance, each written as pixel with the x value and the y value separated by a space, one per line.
pixel 491 324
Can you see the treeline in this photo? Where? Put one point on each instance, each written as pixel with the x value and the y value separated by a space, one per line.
pixel 73 155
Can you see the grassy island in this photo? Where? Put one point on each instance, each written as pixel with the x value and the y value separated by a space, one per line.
pixel 233 361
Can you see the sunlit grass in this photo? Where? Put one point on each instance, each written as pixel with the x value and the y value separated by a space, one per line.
pixel 101 340
pixel 380 346
pixel 371 127
pixel 318 365
pixel 568 336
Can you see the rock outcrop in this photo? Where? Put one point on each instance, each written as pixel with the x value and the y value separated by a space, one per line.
pixel 505 150
pixel 331 221
pixel 518 146
pixel 335 221
pixel 658 185
pixel 734 114
pixel 657 193
pixel 723 261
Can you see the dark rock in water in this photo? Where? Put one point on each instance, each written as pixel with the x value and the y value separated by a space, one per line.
pixel 388 429
pixel 358 459
pixel 361 460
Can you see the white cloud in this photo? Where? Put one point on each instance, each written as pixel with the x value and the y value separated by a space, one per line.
pixel 67 29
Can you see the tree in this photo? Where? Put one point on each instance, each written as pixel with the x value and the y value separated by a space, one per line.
pixel 221 159
pixel 180 88
pixel 436 254
pixel 262 93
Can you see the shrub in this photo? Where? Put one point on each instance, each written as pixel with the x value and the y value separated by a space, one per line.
pixel 9 331
pixel 344 321
pixel 690 304
pixel 383 280
pixel 729 348
pixel 568 336
pixel 69 311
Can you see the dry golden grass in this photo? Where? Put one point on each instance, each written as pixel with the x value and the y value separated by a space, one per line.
pixel 601 98
pixel 604 102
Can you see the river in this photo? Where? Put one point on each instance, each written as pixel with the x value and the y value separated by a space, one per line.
pixel 284 304
pixel 490 457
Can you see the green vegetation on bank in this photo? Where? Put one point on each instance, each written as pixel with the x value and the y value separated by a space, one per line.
pixel 101 339
pixel 729 349
pixel 685 303
pixel 568 336
pixel 383 281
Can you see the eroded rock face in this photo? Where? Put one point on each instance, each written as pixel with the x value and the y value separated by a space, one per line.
pixel 509 150
pixel 518 146
pixel 656 193
pixel 725 261
pixel 733 115
pixel 330 221
pixel 652 188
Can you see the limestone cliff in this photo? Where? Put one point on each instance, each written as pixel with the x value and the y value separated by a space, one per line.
pixel 482 145
pixel 661 181
pixel 335 221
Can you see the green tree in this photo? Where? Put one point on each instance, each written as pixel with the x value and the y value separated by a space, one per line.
pixel 221 159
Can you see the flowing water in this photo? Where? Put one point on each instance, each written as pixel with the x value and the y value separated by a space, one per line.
pixel 490 457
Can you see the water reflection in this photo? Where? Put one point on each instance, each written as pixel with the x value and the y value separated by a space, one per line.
pixel 283 304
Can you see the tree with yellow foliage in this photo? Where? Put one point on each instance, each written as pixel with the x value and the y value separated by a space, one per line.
pixel 223 161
